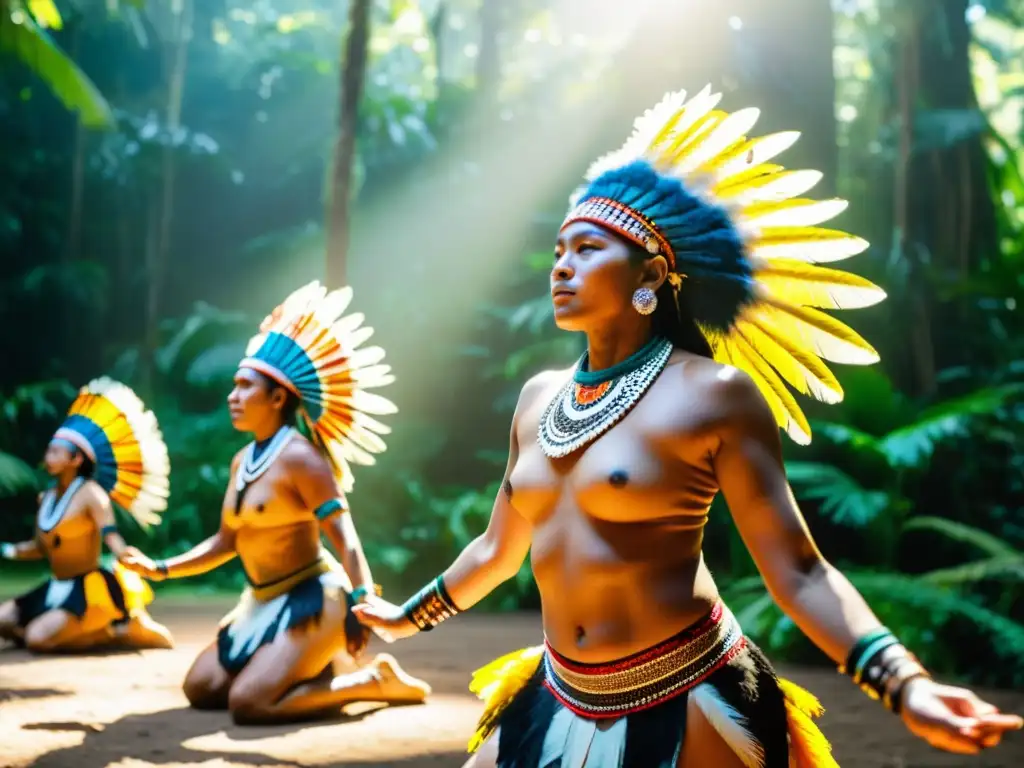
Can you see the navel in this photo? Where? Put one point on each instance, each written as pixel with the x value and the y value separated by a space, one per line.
pixel 618 479
pixel 581 636
pixel 56 541
pixel 506 488
pixel 259 507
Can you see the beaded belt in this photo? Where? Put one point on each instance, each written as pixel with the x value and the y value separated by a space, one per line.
pixel 648 678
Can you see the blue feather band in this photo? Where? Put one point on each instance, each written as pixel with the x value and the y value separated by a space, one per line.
pixel 697 238
pixel 287 363
pixel 90 438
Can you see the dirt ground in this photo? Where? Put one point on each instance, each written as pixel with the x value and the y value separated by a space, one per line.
pixel 126 710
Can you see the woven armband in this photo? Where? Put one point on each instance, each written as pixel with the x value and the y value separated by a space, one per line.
pixel 430 606
pixel 330 508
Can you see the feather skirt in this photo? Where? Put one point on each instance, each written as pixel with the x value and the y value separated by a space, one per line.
pixel 767 722
pixel 254 623
pixel 97 597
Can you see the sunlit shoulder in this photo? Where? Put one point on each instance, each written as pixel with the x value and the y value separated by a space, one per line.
pixel 541 387
pixel 301 456
pixel 93 492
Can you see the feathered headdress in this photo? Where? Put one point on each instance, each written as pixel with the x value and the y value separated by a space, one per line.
pixel 111 425
pixel 307 346
pixel 741 244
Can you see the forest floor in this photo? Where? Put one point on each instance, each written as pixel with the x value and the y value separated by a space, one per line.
pixel 126 710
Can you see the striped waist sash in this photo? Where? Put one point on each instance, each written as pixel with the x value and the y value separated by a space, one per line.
pixel 648 678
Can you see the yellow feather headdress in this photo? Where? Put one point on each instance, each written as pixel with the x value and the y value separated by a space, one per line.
pixel 307 346
pixel 742 244
pixel 110 425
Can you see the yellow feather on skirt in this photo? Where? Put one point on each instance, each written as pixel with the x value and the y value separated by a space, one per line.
pixel 497 685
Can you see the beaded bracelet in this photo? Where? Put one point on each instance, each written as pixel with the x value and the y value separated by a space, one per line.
pixel 430 606
pixel 880 666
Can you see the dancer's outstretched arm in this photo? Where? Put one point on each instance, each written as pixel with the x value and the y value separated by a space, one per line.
pixel 489 560
pixel 205 556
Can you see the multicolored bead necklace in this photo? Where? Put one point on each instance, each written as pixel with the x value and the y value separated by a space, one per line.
pixel 593 401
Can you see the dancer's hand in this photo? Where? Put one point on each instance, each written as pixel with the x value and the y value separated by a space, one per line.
pixel 953 719
pixel 137 562
pixel 386 619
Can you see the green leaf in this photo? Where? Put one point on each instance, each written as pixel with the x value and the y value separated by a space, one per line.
pixel 912 446
pixel 963 534
pixel 922 602
pixel 21 36
pixel 395 558
pixel 37 400
pixel 15 476
pixel 206 328
pixel 1003 568
pixel 843 499
pixel 215 366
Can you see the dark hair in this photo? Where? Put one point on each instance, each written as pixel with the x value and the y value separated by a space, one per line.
pixel 290 410
pixel 290 416
pixel 87 467
pixel 672 318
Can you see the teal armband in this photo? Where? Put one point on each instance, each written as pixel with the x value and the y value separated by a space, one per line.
pixel 430 606
pixel 881 666
pixel 329 508
pixel 106 530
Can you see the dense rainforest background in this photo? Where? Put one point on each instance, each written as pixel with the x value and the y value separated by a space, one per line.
pixel 170 170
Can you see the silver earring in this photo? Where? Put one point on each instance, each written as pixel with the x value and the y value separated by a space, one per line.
pixel 644 301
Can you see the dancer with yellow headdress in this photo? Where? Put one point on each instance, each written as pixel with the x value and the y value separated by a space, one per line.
pixel 690 261
pixel 273 656
pixel 109 449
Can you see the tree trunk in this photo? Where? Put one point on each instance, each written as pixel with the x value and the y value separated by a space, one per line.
pixel 353 75
pixel 175 63
pixel 944 215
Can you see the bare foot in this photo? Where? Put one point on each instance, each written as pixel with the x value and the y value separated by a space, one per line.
pixel 397 685
pixel 382 680
pixel 143 631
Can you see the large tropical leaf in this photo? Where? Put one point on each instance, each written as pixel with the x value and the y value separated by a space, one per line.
pixel 920 601
pixel 206 328
pixel 912 446
pixel 15 476
pixel 216 365
pixel 1002 568
pixel 23 37
pixel 36 400
pixel 842 498
pixel 990 545
pixel 911 606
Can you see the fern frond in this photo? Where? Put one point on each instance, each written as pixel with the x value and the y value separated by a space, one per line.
pixel 1001 568
pixel 963 534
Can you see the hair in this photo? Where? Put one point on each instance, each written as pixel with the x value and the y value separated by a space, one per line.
pixel 290 410
pixel 672 318
pixel 290 417
pixel 87 467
